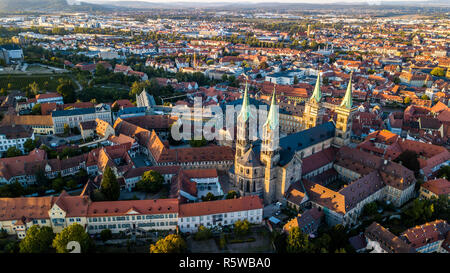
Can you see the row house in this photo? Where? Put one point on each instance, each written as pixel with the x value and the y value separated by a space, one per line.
pixel 49 97
pixel 136 217
pixel 219 213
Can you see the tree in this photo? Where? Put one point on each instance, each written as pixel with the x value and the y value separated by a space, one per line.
pixel 13 152
pixel 444 172
pixel 370 209
pixel 172 243
pixel 224 77
pixel 100 70
pixel 321 244
pixel 66 129
pixel 438 71
pixel 407 100
pixel 3 92
pixel 38 240
pixel 232 195
pixel 110 186
pixel 339 237
pixel 72 184
pixel 297 241
pixel 409 159
pixel 36 110
pixel 425 97
pixel 241 228
pixel 222 242
pixel 203 233
pixel 82 176
pixel 41 178
pixel 263 65
pixel 137 87
pixel 198 143
pixel 58 184
pixel 151 181
pixel 295 79
pixel 14 189
pixel 106 235
pixel 12 247
pixel 67 91
pixel 98 196
pixel 419 212
pixel 29 145
pixel 74 232
pixel 209 197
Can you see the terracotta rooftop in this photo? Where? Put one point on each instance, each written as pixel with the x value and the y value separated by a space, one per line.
pixel 221 206
pixel 426 234
pixel 116 208
pixel 388 241
pixel 438 186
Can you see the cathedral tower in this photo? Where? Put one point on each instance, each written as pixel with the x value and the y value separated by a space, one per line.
pixel 247 166
pixel 344 118
pixel 243 126
pixel 314 111
pixel 270 149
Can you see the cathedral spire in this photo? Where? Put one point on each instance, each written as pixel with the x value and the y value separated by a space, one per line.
pixel 317 94
pixel 245 109
pixel 272 118
pixel 347 102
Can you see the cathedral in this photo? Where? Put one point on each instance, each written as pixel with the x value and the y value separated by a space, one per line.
pixel 266 167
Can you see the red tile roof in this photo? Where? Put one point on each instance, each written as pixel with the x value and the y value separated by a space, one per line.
pixel 220 206
pixel 438 186
pixel 116 208
pixel 426 234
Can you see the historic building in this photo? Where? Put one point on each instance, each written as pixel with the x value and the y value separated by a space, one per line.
pixel 267 167
pixel 313 114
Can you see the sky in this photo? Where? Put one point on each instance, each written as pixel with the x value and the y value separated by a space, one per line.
pixel 264 1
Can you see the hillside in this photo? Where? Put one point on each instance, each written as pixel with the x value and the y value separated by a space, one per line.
pixel 45 6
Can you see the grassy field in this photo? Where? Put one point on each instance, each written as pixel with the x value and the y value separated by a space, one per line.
pixel 104 94
pixel 45 82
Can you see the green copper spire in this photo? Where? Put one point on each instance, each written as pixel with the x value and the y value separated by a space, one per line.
pixel 245 109
pixel 347 102
pixel 317 94
pixel 272 117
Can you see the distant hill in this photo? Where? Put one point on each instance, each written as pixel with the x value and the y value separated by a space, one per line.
pixel 47 5
pixel 108 5
pixel 249 4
